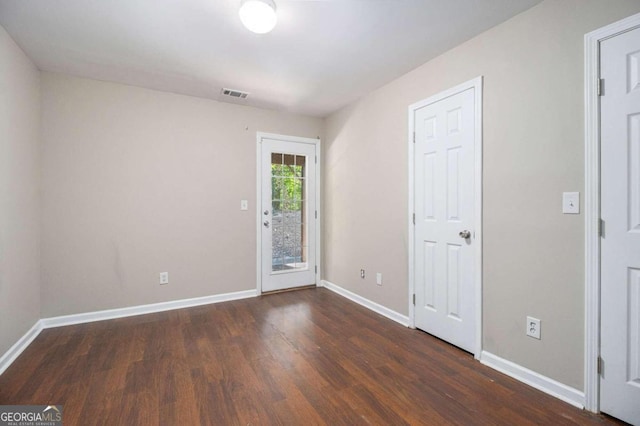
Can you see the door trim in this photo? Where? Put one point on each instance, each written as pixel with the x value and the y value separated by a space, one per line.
pixel 317 142
pixel 592 202
pixel 476 84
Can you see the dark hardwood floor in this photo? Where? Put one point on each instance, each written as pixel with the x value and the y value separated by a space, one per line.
pixel 303 357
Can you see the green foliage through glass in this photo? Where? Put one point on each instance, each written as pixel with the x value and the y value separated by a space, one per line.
pixel 286 187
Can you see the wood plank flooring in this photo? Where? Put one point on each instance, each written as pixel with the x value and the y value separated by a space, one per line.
pixel 301 358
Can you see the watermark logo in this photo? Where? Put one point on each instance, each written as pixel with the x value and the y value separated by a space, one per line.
pixel 30 415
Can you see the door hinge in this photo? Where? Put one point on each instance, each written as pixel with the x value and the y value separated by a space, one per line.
pixel 599 365
pixel 414 218
pixel 414 299
pixel 601 228
pixel 316 214
pixel 316 269
pixel 414 137
pixel 601 87
pixel 316 159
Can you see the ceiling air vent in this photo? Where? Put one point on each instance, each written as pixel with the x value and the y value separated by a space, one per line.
pixel 234 93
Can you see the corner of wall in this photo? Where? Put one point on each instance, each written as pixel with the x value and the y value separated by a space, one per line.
pixel 20 182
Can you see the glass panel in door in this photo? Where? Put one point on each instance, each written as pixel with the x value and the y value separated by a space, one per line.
pixel 288 203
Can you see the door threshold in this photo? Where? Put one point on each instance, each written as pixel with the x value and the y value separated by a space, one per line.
pixel 286 290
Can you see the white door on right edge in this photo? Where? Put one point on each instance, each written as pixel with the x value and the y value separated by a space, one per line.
pixel 444 218
pixel 620 210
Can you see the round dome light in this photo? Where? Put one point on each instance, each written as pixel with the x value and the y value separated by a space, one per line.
pixel 259 16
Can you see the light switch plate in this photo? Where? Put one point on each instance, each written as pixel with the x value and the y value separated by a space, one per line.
pixel 571 202
pixel 244 205
pixel 379 278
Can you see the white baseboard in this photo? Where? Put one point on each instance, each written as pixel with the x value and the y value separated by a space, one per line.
pixel 14 351
pixel 375 307
pixel 144 309
pixel 545 384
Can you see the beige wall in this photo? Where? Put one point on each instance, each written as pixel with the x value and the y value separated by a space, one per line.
pixel 533 151
pixel 136 182
pixel 19 193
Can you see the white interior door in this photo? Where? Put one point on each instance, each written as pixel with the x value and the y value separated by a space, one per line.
pixel 620 210
pixel 288 212
pixel 444 199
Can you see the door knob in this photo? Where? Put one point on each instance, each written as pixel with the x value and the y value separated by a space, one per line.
pixel 465 234
pixel 266 223
pixel 266 212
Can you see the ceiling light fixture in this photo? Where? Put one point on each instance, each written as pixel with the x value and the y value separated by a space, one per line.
pixel 259 16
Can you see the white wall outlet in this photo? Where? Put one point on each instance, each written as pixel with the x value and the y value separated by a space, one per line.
pixel 379 278
pixel 571 202
pixel 244 205
pixel 362 273
pixel 533 327
pixel 164 278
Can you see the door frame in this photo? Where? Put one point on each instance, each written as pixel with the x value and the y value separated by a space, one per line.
pixel 475 84
pixel 298 139
pixel 592 202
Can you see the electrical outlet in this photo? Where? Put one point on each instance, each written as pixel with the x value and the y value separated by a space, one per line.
pixel 379 278
pixel 362 273
pixel 164 278
pixel 533 327
pixel 244 205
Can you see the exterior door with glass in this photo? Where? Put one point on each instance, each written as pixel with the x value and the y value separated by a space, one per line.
pixel 288 214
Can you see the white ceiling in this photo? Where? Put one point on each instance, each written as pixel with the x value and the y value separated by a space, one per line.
pixel 321 56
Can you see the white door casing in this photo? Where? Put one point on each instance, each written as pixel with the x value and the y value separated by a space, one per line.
pixel 620 212
pixel 290 258
pixel 445 190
